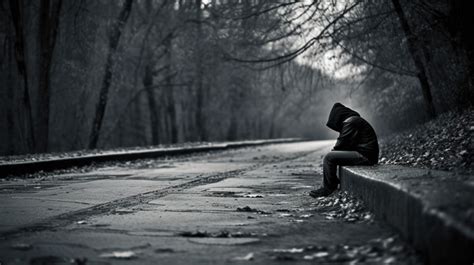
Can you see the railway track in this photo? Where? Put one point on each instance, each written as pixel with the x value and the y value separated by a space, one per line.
pixel 28 167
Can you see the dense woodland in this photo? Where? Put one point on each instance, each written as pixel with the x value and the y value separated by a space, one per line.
pixel 86 74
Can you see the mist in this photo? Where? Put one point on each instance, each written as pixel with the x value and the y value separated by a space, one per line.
pixel 107 74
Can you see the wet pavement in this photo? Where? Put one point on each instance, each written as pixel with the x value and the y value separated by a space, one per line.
pixel 231 207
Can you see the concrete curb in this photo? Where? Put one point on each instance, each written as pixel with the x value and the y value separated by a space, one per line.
pixel 28 167
pixel 433 210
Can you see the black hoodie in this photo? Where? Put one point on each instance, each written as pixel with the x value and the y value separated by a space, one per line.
pixel 355 133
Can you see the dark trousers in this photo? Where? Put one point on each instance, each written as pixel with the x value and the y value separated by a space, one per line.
pixel 340 158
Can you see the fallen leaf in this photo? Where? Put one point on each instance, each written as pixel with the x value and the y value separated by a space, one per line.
pixel 286 215
pixel 247 257
pixel 316 255
pixel 253 196
pixel 306 215
pixel 288 250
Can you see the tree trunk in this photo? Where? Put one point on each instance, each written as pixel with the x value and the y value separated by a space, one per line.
pixel 152 105
pixel 114 38
pixel 239 80
pixel 200 117
pixel 171 104
pixel 17 9
pixel 9 100
pixel 459 24
pixel 271 131
pixel 48 28
pixel 232 130
pixel 416 50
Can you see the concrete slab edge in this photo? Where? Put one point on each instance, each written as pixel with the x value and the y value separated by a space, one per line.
pixel 439 238
pixel 28 167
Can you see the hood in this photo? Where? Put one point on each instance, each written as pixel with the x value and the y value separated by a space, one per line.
pixel 338 114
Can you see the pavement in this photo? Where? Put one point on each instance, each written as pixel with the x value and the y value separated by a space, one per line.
pixel 248 205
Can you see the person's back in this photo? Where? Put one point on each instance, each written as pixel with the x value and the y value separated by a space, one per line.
pixel 356 145
pixel 365 140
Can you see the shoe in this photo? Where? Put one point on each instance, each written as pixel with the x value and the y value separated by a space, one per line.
pixel 321 192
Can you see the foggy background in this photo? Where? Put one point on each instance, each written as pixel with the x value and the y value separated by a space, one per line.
pixel 104 74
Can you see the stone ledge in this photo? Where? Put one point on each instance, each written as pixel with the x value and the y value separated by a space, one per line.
pixel 433 210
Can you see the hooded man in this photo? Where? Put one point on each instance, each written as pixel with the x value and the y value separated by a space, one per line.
pixel 356 145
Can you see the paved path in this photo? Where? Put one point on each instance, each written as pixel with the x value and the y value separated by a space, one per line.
pixel 229 207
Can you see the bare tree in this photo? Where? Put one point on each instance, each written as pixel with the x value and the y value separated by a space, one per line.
pixel 225 65
pixel 169 91
pixel 17 13
pixel 114 39
pixel 416 52
pixel 48 30
pixel 152 104
pixel 200 116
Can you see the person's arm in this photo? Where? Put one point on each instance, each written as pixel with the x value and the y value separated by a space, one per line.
pixel 347 137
